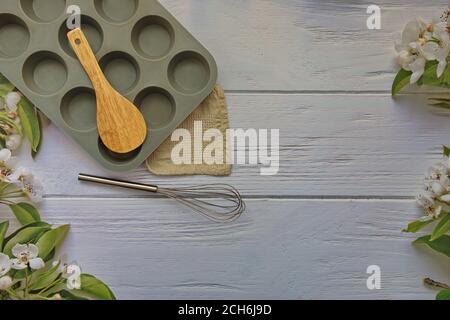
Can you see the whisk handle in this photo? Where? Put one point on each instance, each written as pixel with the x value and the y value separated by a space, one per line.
pixel 118 183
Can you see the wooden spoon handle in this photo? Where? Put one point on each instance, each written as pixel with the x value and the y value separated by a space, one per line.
pixel 87 58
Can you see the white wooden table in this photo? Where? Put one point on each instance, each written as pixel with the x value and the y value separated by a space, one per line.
pixel 352 160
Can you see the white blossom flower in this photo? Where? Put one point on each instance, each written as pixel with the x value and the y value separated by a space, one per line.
pixel 411 56
pixel 73 275
pixel 33 188
pixel 26 255
pixel 56 297
pixel 70 271
pixel 428 203
pixel 11 100
pixel 438 49
pixel 5 282
pixel 438 187
pixel 435 172
pixel 13 141
pixel 30 185
pixel 20 173
pixel 421 42
pixel 5 264
pixel 412 33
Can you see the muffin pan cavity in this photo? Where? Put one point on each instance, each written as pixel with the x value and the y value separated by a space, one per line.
pixel 117 159
pixel 78 109
pixel 189 72
pixel 157 105
pixel 144 52
pixel 43 10
pixel 153 37
pixel 116 11
pixel 14 36
pixel 45 72
pixel 121 70
pixel 91 29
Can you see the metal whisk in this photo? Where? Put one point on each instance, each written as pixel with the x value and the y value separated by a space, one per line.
pixel 226 204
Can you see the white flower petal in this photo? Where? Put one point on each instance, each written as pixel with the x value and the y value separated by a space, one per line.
pixel 37 263
pixel 5 264
pixel 418 68
pixel 11 100
pixel 426 218
pixel 5 283
pixel 445 198
pixel 441 68
pixel 19 174
pixel 73 270
pixel 437 189
pixel 16 264
pixel 404 59
pixel 33 251
pixel 425 200
pixel 412 31
pixel 437 212
pixel 13 141
pixel 429 50
pixel 74 282
pixel 5 155
pixel 416 76
pixel 19 249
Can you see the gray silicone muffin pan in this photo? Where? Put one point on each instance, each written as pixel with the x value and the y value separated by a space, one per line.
pixel 145 53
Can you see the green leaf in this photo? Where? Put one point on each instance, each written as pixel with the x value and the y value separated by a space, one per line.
pixel 3 229
pixel 443 295
pixel 441 245
pixel 91 287
pixel 25 213
pixel 430 77
pixel 402 79
pixel 30 122
pixel 54 290
pixel 35 152
pixel 50 256
pixel 42 279
pixel 50 240
pixel 25 236
pixel 34 224
pixel 72 295
pixel 5 85
pixel 416 226
pixel 442 228
pixel 446 151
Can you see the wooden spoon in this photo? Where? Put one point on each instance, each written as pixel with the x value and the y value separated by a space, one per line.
pixel 121 125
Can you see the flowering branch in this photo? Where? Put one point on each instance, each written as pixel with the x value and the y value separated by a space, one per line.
pixel 423 54
pixel 435 202
pixel 27 269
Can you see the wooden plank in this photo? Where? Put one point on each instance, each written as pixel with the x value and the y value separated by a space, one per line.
pixel 300 44
pixel 331 145
pixel 287 249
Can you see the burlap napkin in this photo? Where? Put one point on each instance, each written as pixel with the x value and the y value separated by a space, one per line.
pixel 214 115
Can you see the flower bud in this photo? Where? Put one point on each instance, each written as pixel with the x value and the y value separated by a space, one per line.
pixel 57 297
pixel 5 282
